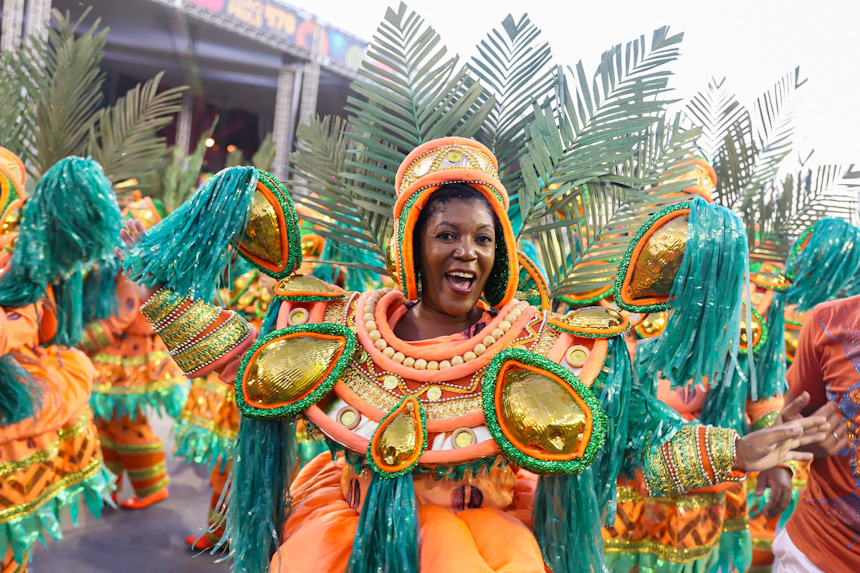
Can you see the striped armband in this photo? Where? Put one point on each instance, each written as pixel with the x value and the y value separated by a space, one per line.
pixel 196 333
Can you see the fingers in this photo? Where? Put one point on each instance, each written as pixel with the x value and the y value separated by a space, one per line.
pixel 777 503
pixel 786 431
pixel 763 483
pixel 795 456
pixel 792 410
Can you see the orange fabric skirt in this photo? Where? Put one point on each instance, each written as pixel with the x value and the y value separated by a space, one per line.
pixel 319 533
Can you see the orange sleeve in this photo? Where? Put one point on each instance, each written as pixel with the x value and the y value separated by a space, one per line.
pixel 762 413
pixel 19 327
pixel 805 372
pixel 103 333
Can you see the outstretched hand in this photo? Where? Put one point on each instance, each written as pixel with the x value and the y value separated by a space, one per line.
pixel 778 481
pixel 834 433
pixel 131 234
pixel 779 443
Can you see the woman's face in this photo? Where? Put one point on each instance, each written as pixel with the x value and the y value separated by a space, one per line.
pixel 457 251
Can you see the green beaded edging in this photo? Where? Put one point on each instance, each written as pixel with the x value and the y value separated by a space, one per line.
pixel 520 458
pixel 294 244
pixel 310 298
pixel 764 332
pixel 369 456
pixel 625 263
pixel 322 389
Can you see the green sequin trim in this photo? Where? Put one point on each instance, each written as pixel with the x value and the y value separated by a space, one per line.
pixel 795 248
pixel 382 471
pixel 764 332
pixel 294 239
pixel 520 458
pixel 311 298
pixel 322 389
pixel 625 263
pixel 576 332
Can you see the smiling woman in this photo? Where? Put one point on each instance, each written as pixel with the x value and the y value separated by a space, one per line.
pixel 470 431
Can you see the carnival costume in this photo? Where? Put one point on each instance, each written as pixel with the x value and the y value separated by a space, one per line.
pixel 503 443
pixel 49 454
pixel 135 372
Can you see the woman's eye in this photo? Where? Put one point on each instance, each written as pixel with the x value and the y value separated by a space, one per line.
pixel 445 236
pixel 485 239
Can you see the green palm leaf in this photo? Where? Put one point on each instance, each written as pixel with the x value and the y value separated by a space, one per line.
pixel 613 207
pixel 265 154
pixel 513 65
pixel 408 92
pixel 123 139
pixel 17 118
pixel 716 110
pixel 595 127
pixel 64 78
pixel 182 172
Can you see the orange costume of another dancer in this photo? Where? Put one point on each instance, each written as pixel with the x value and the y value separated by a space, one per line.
pixel 49 460
pixel 135 371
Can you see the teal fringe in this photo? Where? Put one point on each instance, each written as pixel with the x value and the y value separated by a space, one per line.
pixel 257 507
pixel 727 403
pixel 100 300
pixel 706 296
pixel 170 400
pixel 190 250
pixel 735 552
pixel 20 393
pixel 23 532
pixel 387 536
pixel 770 360
pixel 829 262
pixel 200 446
pixel 648 563
pixel 71 220
pixel 615 402
pixel 755 505
pixel 69 296
pixel 566 523
pixel 270 321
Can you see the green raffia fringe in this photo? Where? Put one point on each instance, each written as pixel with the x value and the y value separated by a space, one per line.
pixel 566 523
pixel 387 534
pixel 615 402
pixel 99 292
pixel 735 551
pixel 706 296
pixel 726 404
pixel 170 400
pixel 201 446
pixel 20 393
pixel 770 360
pixel 270 321
pixel 256 510
pixel 756 504
pixel 23 532
pixel 647 562
pixel 189 251
pixel 69 296
pixel 828 262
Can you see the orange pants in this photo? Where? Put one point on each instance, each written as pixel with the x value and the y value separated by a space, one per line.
pixel 131 446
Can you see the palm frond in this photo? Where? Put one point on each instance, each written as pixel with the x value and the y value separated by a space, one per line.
pixel 354 220
pixel 715 109
pixel 234 158
pixel 64 78
pixel 17 117
pixel 408 92
pixel 513 65
pixel 607 215
pixel 597 126
pixel 265 154
pixel 124 138
pixel 182 173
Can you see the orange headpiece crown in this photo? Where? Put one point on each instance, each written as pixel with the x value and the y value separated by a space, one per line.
pixel 423 172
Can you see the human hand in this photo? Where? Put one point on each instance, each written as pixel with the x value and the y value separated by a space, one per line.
pixel 778 480
pixel 834 434
pixel 779 443
pixel 131 234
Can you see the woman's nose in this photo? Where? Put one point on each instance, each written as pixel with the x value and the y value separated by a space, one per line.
pixel 466 250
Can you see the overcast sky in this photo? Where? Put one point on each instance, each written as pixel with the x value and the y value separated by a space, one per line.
pixel 751 42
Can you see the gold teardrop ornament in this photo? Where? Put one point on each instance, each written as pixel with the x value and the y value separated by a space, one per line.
pixel 399 440
pixel 293 368
pixel 306 288
pixel 758 330
pixel 652 261
pixel 272 242
pixel 792 336
pixel 652 325
pixel 540 414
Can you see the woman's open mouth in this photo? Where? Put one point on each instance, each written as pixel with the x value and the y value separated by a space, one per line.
pixel 461 282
